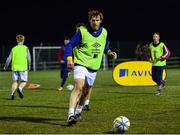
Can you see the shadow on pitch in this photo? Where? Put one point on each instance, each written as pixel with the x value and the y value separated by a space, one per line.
pixel 130 93
pixel 32 119
pixel 109 132
pixel 36 106
pixel 6 98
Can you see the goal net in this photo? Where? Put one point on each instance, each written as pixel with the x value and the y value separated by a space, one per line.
pixel 45 57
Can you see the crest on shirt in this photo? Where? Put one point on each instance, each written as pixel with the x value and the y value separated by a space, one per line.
pixel 96 45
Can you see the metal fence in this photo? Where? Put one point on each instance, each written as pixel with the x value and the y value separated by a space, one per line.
pixel 124 49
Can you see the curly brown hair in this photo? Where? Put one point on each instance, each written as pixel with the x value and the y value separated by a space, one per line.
pixel 93 13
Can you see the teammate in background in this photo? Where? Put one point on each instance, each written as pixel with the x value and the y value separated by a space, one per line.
pixel 87 101
pixel 78 25
pixel 159 54
pixel 142 52
pixel 145 52
pixel 20 59
pixel 138 51
pixel 64 71
pixel 92 43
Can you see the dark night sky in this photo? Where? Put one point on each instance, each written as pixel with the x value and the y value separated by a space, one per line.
pixel 42 21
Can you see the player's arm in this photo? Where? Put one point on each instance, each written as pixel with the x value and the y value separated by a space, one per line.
pixel 8 61
pixel 166 53
pixel 29 59
pixel 150 55
pixel 68 49
pixel 108 51
pixel 60 56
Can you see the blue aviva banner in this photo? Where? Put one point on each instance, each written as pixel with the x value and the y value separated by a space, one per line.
pixel 134 73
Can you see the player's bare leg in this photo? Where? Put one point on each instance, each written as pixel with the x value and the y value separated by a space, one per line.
pixel 86 103
pixel 79 83
pixel 13 89
pixel 85 94
pixel 82 100
pixel 22 84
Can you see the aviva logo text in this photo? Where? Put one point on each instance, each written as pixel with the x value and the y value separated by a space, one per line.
pixel 134 73
pixel 125 72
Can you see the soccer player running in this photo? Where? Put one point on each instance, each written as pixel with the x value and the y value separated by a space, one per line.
pixel 64 71
pixel 20 60
pixel 92 43
pixel 88 96
pixel 159 54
